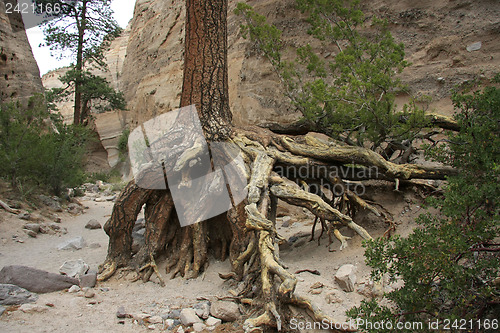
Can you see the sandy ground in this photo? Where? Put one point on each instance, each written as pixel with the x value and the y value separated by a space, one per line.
pixel 75 313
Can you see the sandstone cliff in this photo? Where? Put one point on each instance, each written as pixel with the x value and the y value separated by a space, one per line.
pixel 19 73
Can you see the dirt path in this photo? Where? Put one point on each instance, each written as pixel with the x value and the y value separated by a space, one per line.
pixel 74 313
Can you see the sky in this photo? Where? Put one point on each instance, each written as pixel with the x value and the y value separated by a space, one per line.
pixel 124 10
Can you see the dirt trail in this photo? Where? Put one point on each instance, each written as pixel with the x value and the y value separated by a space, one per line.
pixel 75 313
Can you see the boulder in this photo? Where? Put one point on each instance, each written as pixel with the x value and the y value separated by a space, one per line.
pixel 346 278
pixel 35 280
pixel 74 268
pixel 13 295
pixel 226 311
pixel 52 203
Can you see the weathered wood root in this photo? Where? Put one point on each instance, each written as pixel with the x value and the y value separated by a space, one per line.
pixel 8 208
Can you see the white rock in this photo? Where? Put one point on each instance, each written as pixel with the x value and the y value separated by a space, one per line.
pixel 74 289
pixel 74 268
pixel 76 243
pixel 155 320
pixel 346 278
pixel 189 317
pixel 474 46
pixel 198 327
pixel 31 308
pixel 226 311
pixel 211 321
pixel 180 330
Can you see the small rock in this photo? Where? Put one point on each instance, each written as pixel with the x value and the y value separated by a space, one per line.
pixel 110 198
pixel 180 330
pixel 285 224
pixel 31 308
pixel 202 309
pixel 99 199
pixel 74 268
pixel 198 327
pixel 174 314
pixel 75 209
pixel 88 280
pixel 30 233
pixel 226 311
pixel 24 216
pixel 94 245
pixel 121 313
pixel 141 317
pixel 77 243
pixel 155 320
pixel 74 289
pixel 211 321
pixel 169 324
pixel 53 205
pixel 35 280
pixel 151 327
pixel 317 285
pixel 2 310
pixel 14 295
pixel 316 291
pixel 333 298
pixel 188 317
pixel 93 224
pixel 346 278
pixel 89 293
pixel 35 227
pixel 474 46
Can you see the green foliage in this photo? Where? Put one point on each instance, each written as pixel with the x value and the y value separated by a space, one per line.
pixel 37 149
pixel 123 144
pixel 449 263
pixel 350 95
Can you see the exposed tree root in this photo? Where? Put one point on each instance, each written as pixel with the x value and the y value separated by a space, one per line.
pixel 248 233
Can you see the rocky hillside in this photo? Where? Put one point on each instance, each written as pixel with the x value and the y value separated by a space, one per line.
pixel 447 42
pixel 19 73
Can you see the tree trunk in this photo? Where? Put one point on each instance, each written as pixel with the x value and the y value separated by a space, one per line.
pixel 247 233
pixel 79 63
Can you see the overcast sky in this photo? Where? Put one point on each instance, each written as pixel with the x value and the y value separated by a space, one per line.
pixel 124 10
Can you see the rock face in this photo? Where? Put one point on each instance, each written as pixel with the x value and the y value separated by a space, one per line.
pixel 146 62
pixel 19 73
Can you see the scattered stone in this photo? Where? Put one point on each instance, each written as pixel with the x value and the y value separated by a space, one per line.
pixel 88 280
pixel 211 321
pixel 14 295
pixel 169 324
pixel 35 227
pixel 75 209
pixel 346 278
pixel 121 313
pixel 24 216
pixel 180 330
pixel 152 327
pixel 99 199
pixel 2 310
pixel 77 243
pixel 317 285
pixel 316 291
pixel 202 309
pixel 174 314
pixel 74 289
pixel 32 308
pixel 35 280
pixel 30 233
pixel 333 297
pixel 74 268
pixel 226 311
pixel 52 203
pixel 89 293
pixel 198 327
pixel 188 317
pixel 474 46
pixel 141 317
pixel 110 198
pixel 155 320
pixel 93 224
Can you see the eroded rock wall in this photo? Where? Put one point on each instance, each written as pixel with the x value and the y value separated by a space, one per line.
pixel 19 73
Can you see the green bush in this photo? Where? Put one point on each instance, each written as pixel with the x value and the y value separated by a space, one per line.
pixel 37 148
pixel 450 263
pixel 351 94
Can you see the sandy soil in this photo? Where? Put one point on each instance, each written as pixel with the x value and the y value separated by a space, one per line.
pixel 75 313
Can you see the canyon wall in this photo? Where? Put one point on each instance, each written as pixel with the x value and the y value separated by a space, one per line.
pixel 19 73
